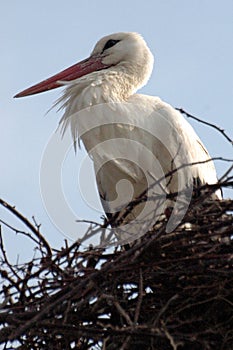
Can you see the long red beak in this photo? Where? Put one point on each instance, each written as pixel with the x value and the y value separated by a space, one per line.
pixel 78 70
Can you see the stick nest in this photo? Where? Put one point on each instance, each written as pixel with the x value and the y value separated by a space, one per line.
pixel 167 291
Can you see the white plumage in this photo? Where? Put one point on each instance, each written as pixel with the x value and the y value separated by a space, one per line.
pixel 133 139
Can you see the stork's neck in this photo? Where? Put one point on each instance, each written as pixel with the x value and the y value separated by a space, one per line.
pixel 110 85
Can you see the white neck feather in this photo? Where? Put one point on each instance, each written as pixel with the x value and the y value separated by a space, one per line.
pixel 95 88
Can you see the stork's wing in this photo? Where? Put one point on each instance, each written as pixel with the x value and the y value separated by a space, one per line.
pixel 140 142
pixel 178 142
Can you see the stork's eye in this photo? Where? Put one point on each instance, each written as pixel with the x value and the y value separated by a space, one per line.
pixel 110 43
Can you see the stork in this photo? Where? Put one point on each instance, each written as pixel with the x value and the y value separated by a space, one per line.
pixel 134 140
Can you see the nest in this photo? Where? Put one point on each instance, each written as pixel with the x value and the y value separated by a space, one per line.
pixel 167 291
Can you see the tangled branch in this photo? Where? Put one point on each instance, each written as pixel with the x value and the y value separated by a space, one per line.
pixel 168 291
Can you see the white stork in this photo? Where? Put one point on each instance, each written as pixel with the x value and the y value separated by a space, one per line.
pixel 134 140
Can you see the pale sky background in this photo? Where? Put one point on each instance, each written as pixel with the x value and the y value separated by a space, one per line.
pixel 192 41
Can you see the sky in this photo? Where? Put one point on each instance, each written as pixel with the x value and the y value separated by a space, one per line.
pixel 193 48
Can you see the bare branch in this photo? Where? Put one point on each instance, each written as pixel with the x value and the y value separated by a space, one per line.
pixel 28 224
pixel 222 131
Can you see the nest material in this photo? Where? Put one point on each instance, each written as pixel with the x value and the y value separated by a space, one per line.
pixel 168 291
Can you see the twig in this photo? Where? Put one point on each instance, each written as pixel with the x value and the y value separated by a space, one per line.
pixel 164 308
pixel 170 338
pixel 222 131
pixel 16 230
pixel 7 261
pixel 28 224
pixel 120 309
pixel 140 297
pixel 126 343
pixel 225 174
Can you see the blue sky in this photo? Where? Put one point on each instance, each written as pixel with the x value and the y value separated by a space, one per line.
pixel 193 48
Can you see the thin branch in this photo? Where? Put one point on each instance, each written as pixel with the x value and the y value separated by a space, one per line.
pixel 140 297
pixel 170 338
pixel 7 261
pixel 16 230
pixel 222 131
pixel 120 309
pixel 226 174
pixel 28 224
pixel 125 345
pixel 164 308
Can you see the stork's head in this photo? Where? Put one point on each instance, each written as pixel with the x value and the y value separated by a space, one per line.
pixel 126 52
pixel 129 52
